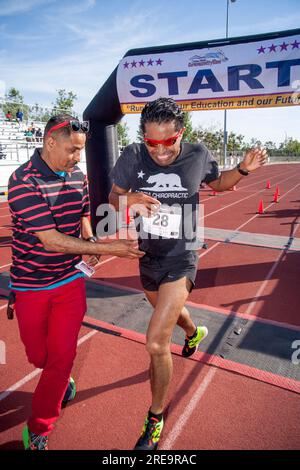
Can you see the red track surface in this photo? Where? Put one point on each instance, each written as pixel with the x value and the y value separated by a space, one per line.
pixel 209 408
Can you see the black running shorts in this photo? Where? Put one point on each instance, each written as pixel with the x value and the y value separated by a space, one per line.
pixel 155 271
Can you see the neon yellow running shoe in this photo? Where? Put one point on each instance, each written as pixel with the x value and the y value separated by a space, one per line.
pixel 150 434
pixel 191 344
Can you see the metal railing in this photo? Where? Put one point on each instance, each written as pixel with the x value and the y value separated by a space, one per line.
pixel 16 151
pixel 20 151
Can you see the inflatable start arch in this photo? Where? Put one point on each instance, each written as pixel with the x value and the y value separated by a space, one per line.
pixel 234 73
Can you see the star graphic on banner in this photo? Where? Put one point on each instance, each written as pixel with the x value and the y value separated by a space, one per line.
pixel 261 50
pixel 159 62
pixel 133 63
pixel 272 48
pixel 142 63
pixel 283 46
pixel 150 62
pixel 141 174
pixel 295 44
pixel 126 65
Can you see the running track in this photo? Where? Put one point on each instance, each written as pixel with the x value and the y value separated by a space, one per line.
pixel 210 405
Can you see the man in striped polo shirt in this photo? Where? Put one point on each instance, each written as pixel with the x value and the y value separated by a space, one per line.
pixel 49 203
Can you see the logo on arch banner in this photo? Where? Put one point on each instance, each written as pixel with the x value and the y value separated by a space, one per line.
pixel 210 58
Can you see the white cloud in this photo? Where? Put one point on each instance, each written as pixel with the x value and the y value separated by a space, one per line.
pixel 70 8
pixel 96 49
pixel 14 7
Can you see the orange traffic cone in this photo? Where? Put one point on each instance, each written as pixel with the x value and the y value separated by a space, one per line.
pixel 277 190
pixel 276 196
pixel 268 185
pixel 214 193
pixel 261 207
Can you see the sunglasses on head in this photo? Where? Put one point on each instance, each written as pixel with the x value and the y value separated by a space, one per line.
pixel 166 143
pixel 76 126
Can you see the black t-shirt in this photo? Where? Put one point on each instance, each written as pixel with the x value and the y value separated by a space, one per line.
pixel 176 186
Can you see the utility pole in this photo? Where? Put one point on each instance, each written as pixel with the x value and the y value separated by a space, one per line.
pixel 225 111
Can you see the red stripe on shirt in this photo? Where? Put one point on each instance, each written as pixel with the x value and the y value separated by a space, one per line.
pixel 34 263
pixel 31 208
pixel 21 284
pixel 40 228
pixel 42 214
pixel 68 212
pixel 66 204
pixel 69 191
pixel 63 183
pixel 21 186
pixel 21 196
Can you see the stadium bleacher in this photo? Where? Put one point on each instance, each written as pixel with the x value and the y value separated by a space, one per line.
pixel 14 146
pixel 15 149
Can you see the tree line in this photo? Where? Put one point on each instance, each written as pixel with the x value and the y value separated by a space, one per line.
pixel 14 101
pixel 212 137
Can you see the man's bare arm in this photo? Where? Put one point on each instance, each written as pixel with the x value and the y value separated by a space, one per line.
pixel 253 160
pixel 86 228
pixel 60 243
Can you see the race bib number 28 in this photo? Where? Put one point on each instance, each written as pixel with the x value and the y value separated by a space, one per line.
pixel 165 223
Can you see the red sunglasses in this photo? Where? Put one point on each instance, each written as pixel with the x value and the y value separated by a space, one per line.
pixel 166 143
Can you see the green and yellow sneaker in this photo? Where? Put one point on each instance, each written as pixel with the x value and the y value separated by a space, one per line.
pixel 33 441
pixel 150 434
pixel 191 344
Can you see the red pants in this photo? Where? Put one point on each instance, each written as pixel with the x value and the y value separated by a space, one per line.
pixel 49 323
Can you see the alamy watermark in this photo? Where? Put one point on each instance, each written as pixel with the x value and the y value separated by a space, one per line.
pixel 296 354
pixel 2 352
pixel 176 222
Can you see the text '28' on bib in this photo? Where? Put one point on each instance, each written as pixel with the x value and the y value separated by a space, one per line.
pixel 165 223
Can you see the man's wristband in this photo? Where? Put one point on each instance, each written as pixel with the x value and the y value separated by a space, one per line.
pixel 242 172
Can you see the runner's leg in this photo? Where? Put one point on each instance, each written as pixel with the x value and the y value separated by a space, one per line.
pixel 184 320
pixel 171 298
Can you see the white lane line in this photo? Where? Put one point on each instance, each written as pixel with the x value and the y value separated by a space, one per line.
pixel 243 199
pixel 266 208
pixel 36 372
pixel 269 276
pixel 247 222
pixel 5 265
pixel 106 261
pixel 19 384
pixel 185 416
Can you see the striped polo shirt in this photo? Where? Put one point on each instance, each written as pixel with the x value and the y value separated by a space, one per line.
pixel 40 199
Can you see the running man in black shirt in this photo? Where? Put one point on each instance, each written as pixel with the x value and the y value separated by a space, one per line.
pixel 160 180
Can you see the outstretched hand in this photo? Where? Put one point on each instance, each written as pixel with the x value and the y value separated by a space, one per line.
pixel 255 158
